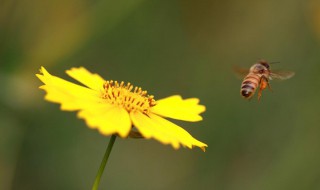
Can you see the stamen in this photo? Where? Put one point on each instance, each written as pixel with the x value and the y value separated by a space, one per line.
pixel 126 95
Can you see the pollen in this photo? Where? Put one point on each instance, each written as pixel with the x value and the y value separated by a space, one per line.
pixel 129 97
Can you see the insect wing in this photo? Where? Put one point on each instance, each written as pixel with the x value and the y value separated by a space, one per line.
pixel 240 72
pixel 281 75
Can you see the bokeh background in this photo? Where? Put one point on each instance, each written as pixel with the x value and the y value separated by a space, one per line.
pixel 167 47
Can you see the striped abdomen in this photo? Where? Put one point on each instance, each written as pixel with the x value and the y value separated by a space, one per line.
pixel 249 85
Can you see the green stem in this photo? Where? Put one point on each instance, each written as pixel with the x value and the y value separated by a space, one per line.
pixel 103 163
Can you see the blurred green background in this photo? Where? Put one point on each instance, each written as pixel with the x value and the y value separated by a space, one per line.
pixel 167 47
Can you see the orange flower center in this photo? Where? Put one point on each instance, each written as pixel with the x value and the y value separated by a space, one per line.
pixel 126 95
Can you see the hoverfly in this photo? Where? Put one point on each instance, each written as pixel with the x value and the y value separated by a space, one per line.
pixel 258 76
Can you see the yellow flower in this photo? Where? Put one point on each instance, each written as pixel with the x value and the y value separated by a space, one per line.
pixel 122 109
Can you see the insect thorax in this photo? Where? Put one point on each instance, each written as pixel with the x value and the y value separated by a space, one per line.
pixel 260 69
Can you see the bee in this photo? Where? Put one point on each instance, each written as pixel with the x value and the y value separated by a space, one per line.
pixel 258 77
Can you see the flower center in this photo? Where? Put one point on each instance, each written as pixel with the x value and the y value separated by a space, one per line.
pixel 126 95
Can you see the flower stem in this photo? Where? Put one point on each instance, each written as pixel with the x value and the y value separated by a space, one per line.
pixel 103 163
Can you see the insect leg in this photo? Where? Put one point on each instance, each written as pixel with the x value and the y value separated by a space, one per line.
pixel 261 87
pixel 269 87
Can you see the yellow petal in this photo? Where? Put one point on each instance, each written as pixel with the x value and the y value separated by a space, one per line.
pixel 93 81
pixel 153 126
pixel 108 119
pixel 150 129
pixel 185 138
pixel 177 108
pixel 69 95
